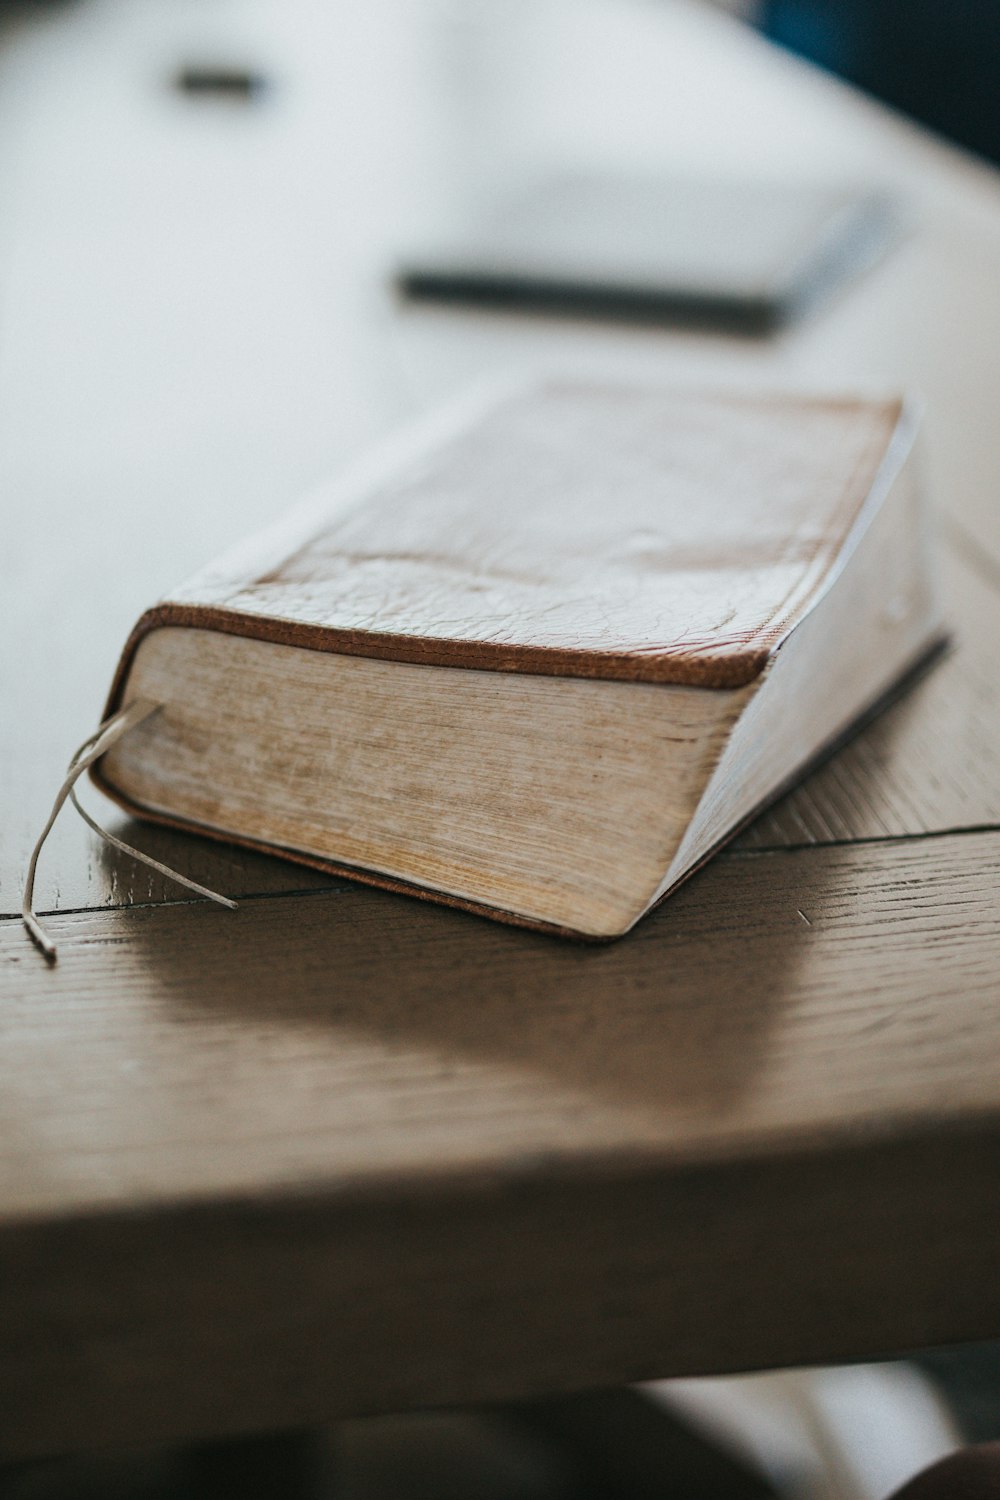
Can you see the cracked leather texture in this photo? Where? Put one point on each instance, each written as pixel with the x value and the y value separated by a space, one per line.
pixel 570 529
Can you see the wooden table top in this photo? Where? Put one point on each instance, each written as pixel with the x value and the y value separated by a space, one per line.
pixel 344 1152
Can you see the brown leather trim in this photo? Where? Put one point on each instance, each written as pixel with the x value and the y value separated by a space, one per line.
pixel 687 670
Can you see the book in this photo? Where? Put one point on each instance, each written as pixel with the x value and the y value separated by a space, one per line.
pixel 742 254
pixel 542 656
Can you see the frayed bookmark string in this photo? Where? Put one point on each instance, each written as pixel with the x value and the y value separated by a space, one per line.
pixel 96 745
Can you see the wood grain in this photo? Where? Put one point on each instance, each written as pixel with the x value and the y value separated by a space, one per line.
pixel 763 1130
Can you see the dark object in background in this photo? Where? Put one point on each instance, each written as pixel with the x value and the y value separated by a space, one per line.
pixel 220 82
pixel 969 1377
pixel 742 255
pixel 969 1474
pixel 602 1445
pixel 293 1465
pixel 939 60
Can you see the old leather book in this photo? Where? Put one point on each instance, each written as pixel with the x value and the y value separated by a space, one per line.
pixel 541 657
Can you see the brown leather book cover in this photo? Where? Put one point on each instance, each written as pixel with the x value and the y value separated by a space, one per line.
pixel 580 530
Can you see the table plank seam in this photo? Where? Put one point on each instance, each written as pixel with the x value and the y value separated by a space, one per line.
pixel 919 836
pixel 349 887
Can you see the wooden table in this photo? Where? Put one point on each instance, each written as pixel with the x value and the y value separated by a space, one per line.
pixel 343 1152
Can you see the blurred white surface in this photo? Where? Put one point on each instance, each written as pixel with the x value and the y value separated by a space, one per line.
pixel 854 1432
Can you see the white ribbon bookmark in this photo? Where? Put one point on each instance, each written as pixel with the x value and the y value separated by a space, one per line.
pixel 106 735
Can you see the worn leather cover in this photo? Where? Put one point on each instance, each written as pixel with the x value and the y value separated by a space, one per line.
pixel 570 529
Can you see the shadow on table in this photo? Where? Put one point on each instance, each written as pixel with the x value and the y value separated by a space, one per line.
pixel 674 1018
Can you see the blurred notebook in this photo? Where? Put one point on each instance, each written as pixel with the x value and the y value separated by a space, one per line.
pixel 745 255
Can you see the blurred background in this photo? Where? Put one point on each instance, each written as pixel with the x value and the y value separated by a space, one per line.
pixel 936 61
